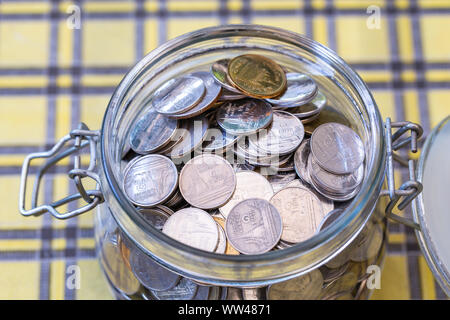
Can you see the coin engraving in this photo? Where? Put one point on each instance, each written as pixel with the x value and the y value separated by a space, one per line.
pixel 301 212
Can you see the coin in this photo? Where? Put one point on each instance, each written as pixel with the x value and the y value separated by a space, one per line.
pixel 195 130
pixel 116 270
pixel 344 283
pixel 227 95
pixel 229 248
pixel 152 275
pixel 253 226
pixel 340 184
pixel 218 140
pixel 256 76
pixel 369 246
pixel 337 148
pixel 305 287
pixel 249 184
pixel 212 92
pixel 328 205
pixel 156 218
pixel 244 116
pixel 326 115
pixel 283 136
pixel 330 218
pixel 301 212
pixel 301 161
pixel 222 243
pixel 178 95
pixel 207 181
pixel 300 90
pixel 150 180
pixel 193 227
pixel 151 132
pixel 219 70
pixel 280 181
pixel 234 294
pixel 253 294
pixel 311 109
pixel 184 290
pixel 330 275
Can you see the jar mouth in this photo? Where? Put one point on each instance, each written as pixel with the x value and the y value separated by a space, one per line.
pixel 245 270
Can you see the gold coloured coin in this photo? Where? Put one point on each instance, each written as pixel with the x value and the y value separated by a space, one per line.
pixel 257 76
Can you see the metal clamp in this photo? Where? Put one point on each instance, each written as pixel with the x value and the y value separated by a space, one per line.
pixel 411 188
pixel 81 137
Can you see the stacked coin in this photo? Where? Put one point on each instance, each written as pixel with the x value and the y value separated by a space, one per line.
pixel 215 154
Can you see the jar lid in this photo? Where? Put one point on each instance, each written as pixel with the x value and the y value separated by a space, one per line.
pixel 431 209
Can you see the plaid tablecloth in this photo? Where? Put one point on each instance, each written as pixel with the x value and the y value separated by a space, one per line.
pixel 52 77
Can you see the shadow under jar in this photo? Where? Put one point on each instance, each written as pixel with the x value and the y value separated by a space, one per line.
pixel 330 265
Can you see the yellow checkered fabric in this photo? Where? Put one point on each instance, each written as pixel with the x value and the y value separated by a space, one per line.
pixel 52 77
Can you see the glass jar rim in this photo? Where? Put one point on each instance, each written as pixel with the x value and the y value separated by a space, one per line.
pixel 274 265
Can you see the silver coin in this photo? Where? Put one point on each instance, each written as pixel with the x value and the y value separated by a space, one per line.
pixel 193 227
pixel 249 185
pixel 151 132
pixel 337 148
pixel 283 136
pixel 310 109
pixel 156 218
pixel 152 275
pixel 309 119
pixel 339 184
pixel 185 290
pixel 300 89
pixel 333 196
pixel 212 92
pixel 244 116
pixel 222 244
pixel 219 70
pixel 301 161
pixel 218 140
pixel 150 180
pixel 178 95
pixel 207 181
pixel 301 213
pixel 195 130
pixel 253 226
pixel 330 218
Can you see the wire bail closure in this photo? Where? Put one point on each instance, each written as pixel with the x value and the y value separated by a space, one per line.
pixel 82 138
pixel 410 189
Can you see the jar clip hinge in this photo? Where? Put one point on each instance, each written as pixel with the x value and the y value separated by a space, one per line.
pixel 81 137
pixel 409 189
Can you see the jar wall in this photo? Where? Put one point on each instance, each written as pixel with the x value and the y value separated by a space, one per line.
pixel 343 277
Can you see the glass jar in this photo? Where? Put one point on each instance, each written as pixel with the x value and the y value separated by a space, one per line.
pixel 339 255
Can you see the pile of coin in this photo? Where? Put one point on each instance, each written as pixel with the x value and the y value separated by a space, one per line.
pixel 214 157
